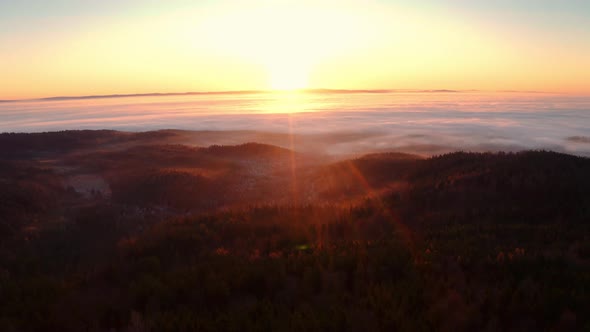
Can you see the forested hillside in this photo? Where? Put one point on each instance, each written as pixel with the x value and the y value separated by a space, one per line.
pixel 141 235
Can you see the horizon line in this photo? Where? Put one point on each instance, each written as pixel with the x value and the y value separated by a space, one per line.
pixel 243 92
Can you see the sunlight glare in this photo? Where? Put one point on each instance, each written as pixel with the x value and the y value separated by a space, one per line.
pixel 284 76
pixel 287 41
pixel 288 100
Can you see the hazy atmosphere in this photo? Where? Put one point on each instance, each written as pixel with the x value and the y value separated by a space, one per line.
pixel 417 122
pixel 281 165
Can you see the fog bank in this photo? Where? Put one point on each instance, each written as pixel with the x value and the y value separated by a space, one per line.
pixel 425 123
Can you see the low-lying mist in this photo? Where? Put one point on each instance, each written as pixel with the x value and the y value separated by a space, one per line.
pixel 332 123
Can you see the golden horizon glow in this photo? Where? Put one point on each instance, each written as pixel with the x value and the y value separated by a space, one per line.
pixel 287 41
pixel 286 45
pixel 288 101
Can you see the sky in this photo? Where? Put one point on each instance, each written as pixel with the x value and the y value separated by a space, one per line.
pixel 83 47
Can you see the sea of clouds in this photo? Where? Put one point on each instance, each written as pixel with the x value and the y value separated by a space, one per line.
pixel 336 123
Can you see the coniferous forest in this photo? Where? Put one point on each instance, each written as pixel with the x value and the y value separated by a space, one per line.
pixel 114 231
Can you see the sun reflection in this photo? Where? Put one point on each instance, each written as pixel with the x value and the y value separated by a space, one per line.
pixel 288 101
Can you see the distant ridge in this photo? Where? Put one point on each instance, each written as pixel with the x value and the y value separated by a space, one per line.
pixel 155 94
pixel 235 92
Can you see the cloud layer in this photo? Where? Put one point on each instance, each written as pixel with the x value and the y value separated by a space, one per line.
pixel 336 123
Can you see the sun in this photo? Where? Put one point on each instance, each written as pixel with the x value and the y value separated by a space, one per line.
pixel 287 76
pixel 287 42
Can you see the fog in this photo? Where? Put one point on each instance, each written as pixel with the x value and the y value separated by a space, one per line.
pixel 334 123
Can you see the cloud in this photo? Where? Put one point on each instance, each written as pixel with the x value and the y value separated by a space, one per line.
pixel 579 139
pixel 425 123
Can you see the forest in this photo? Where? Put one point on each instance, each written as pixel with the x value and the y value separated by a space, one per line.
pixel 115 231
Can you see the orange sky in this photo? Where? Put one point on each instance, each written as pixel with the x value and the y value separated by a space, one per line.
pixel 133 47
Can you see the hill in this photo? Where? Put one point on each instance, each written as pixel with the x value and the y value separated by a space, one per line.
pixel 139 233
